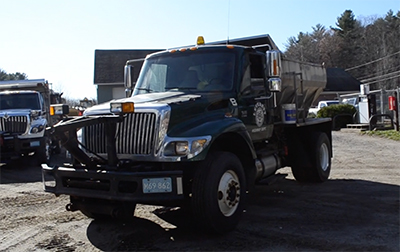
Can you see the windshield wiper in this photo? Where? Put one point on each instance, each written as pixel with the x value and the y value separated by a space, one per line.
pixel 145 89
pixel 181 88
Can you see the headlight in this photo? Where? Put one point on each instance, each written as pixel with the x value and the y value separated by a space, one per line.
pixel 181 148
pixel 122 107
pixel 190 148
pixel 197 147
pixel 37 128
pixel 176 149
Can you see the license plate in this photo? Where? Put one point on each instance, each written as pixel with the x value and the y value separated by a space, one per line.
pixel 35 144
pixel 157 185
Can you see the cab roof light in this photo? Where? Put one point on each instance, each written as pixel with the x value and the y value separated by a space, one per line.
pixel 200 40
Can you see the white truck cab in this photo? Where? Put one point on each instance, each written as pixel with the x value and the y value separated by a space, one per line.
pixel 24 116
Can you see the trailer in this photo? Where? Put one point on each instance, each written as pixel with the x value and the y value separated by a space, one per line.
pixel 202 126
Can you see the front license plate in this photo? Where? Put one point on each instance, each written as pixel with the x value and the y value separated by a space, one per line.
pixel 35 144
pixel 157 185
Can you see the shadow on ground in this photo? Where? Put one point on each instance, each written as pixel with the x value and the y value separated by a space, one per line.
pixel 25 170
pixel 336 215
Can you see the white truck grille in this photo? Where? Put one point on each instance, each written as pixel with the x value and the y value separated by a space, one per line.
pixel 14 124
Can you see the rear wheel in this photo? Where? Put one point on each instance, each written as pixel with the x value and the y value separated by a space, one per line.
pixel 318 166
pixel 219 192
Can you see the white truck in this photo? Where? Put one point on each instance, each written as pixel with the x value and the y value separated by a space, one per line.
pixel 314 110
pixel 24 116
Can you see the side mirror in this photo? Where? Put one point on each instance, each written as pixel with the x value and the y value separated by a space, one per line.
pixel 128 76
pixel 274 67
pixel 274 63
pixel 128 80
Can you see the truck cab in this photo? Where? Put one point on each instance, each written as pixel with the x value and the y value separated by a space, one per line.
pixel 24 115
pixel 202 124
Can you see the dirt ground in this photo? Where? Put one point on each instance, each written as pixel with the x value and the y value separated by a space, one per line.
pixel 356 210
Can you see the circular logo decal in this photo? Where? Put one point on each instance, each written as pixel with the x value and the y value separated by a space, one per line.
pixel 259 114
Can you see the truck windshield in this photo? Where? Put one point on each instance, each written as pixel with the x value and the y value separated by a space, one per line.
pixel 189 71
pixel 19 101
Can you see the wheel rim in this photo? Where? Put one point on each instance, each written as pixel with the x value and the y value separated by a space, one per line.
pixel 229 193
pixel 324 157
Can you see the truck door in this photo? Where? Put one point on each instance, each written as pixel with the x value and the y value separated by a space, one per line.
pixel 255 99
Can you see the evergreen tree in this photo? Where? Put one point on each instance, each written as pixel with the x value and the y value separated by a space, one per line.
pixel 4 76
pixel 369 52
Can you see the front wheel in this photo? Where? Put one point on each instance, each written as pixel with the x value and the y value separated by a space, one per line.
pixel 219 191
pixel 43 153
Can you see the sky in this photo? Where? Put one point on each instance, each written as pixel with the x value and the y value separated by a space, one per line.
pixel 56 39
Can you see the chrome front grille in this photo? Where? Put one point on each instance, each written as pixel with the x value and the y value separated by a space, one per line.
pixel 14 124
pixel 135 135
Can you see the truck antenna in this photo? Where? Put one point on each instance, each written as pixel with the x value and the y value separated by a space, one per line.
pixel 229 12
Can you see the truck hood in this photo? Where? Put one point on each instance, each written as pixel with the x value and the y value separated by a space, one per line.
pixel 145 100
pixel 188 110
pixel 15 112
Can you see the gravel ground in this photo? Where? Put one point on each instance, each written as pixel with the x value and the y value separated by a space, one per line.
pixel 356 210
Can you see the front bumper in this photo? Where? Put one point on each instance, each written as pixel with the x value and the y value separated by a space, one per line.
pixel 111 185
pixel 14 146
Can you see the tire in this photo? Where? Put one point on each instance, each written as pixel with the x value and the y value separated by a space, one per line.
pixel 218 193
pixel 43 153
pixel 318 166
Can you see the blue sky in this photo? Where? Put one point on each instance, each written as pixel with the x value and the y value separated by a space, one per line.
pixel 56 39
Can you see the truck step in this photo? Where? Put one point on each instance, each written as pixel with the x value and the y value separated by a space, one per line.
pixel 272 179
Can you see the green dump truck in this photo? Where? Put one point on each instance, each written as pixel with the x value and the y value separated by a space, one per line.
pixel 200 126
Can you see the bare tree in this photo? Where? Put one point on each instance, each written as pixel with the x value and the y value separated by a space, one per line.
pixel 369 50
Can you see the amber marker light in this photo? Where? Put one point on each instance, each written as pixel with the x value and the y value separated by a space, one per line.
pixel 275 67
pixel 128 107
pixel 52 112
pixel 122 108
pixel 200 40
